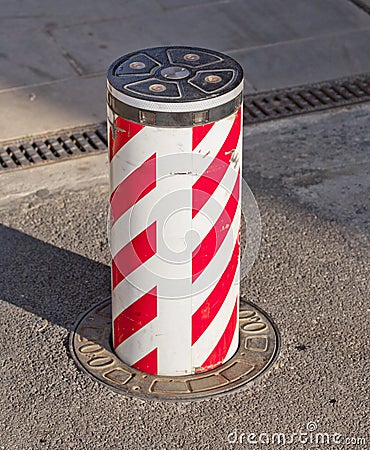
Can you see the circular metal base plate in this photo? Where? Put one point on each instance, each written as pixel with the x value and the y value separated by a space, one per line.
pixel 90 345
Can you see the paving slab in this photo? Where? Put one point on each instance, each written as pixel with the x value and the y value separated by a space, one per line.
pixel 222 26
pixel 306 61
pixel 52 106
pixel 95 46
pixel 272 21
pixel 312 276
pixel 22 16
pixel 31 58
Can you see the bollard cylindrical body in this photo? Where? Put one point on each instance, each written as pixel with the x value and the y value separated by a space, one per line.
pixel 175 148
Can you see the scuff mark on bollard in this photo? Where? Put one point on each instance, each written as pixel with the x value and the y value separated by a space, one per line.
pixel 181 173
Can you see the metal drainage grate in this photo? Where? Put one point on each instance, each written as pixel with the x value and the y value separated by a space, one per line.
pixel 90 346
pixel 306 99
pixel 257 108
pixel 74 142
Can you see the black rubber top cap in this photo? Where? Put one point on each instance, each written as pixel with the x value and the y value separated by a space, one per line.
pixel 175 74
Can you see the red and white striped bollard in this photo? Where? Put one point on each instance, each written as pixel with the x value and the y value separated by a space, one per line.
pixel 175 146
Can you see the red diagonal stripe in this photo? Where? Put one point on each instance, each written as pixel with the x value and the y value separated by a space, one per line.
pixel 134 187
pixel 199 133
pixel 149 363
pixel 204 187
pixel 135 253
pixel 135 317
pixel 117 276
pixel 207 249
pixel 207 311
pixel 129 130
pixel 219 353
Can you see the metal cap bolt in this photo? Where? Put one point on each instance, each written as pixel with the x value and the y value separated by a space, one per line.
pixel 157 88
pixel 191 57
pixel 137 65
pixel 213 79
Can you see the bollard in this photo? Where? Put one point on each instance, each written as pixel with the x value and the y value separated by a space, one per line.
pixel 173 328
pixel 175 149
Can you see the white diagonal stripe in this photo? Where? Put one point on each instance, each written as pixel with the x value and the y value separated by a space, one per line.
pixel 175 278
pixel 137 218
pixel 207 217
pixel 153 205
pixel 204 346
pixel 130 156
pixel 165 142
pixel 205 152
pixel 125 294
pixel 207 280
pixel 139 344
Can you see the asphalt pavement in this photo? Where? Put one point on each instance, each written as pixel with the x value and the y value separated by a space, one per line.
pixel 311 276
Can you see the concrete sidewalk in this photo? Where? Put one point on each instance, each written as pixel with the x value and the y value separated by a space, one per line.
pixel 54 55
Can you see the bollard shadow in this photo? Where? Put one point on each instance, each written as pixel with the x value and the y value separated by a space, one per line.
pixel 48 281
